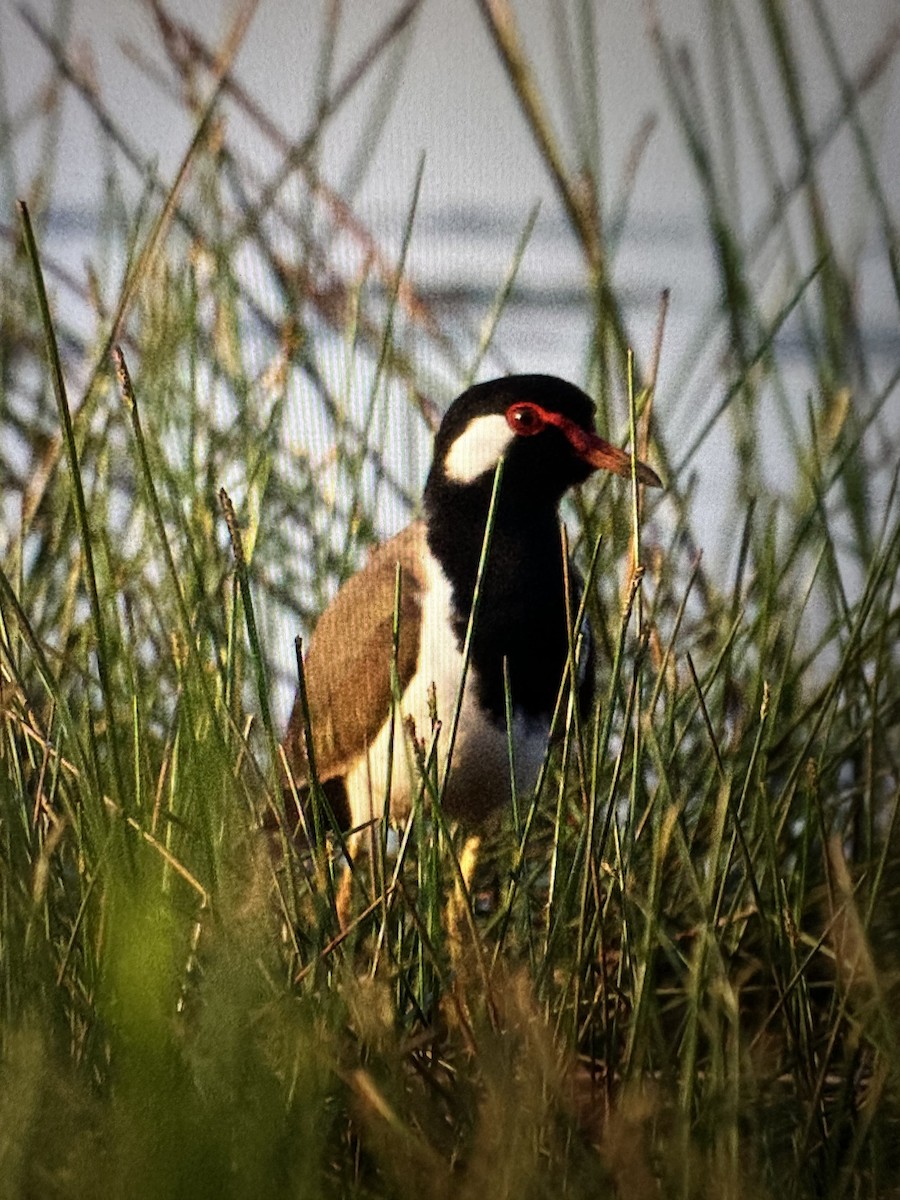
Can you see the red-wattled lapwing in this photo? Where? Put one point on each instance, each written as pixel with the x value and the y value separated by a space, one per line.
pixel 545 429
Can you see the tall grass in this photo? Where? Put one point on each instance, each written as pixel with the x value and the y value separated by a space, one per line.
pixel 670 971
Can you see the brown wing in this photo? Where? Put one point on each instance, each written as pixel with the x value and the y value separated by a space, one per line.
pixel 348 668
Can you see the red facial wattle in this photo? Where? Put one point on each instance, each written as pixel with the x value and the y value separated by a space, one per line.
pixel 527 419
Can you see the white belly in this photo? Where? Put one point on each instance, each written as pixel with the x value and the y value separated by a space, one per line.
pixel 479 776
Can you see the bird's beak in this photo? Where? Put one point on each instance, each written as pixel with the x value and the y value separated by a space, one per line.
pixel 603 457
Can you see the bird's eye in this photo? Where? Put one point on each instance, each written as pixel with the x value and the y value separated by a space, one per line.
pixel 525 419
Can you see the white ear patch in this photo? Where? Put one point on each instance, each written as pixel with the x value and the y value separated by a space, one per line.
pixel 478 448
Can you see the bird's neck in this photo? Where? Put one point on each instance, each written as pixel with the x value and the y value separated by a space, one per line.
pixel 525 541
pixel 521 619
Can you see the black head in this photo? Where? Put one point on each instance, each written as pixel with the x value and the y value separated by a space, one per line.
pixel 543 426
pixel 543 430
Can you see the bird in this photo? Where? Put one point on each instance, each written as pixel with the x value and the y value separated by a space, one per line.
pixel 543 429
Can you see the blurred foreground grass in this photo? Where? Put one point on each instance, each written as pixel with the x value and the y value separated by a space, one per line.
pixel 686 982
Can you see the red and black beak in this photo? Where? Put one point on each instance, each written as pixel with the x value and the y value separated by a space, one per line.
pixel 601 455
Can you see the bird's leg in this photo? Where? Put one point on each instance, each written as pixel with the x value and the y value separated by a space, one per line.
pixel 459 904
pixel 343 901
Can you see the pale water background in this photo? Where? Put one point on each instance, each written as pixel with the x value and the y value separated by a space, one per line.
pixel 449 100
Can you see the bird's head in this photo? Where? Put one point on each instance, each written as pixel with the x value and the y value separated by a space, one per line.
pixel 543 426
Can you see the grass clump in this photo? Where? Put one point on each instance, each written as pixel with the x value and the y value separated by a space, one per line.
pixel 686 981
